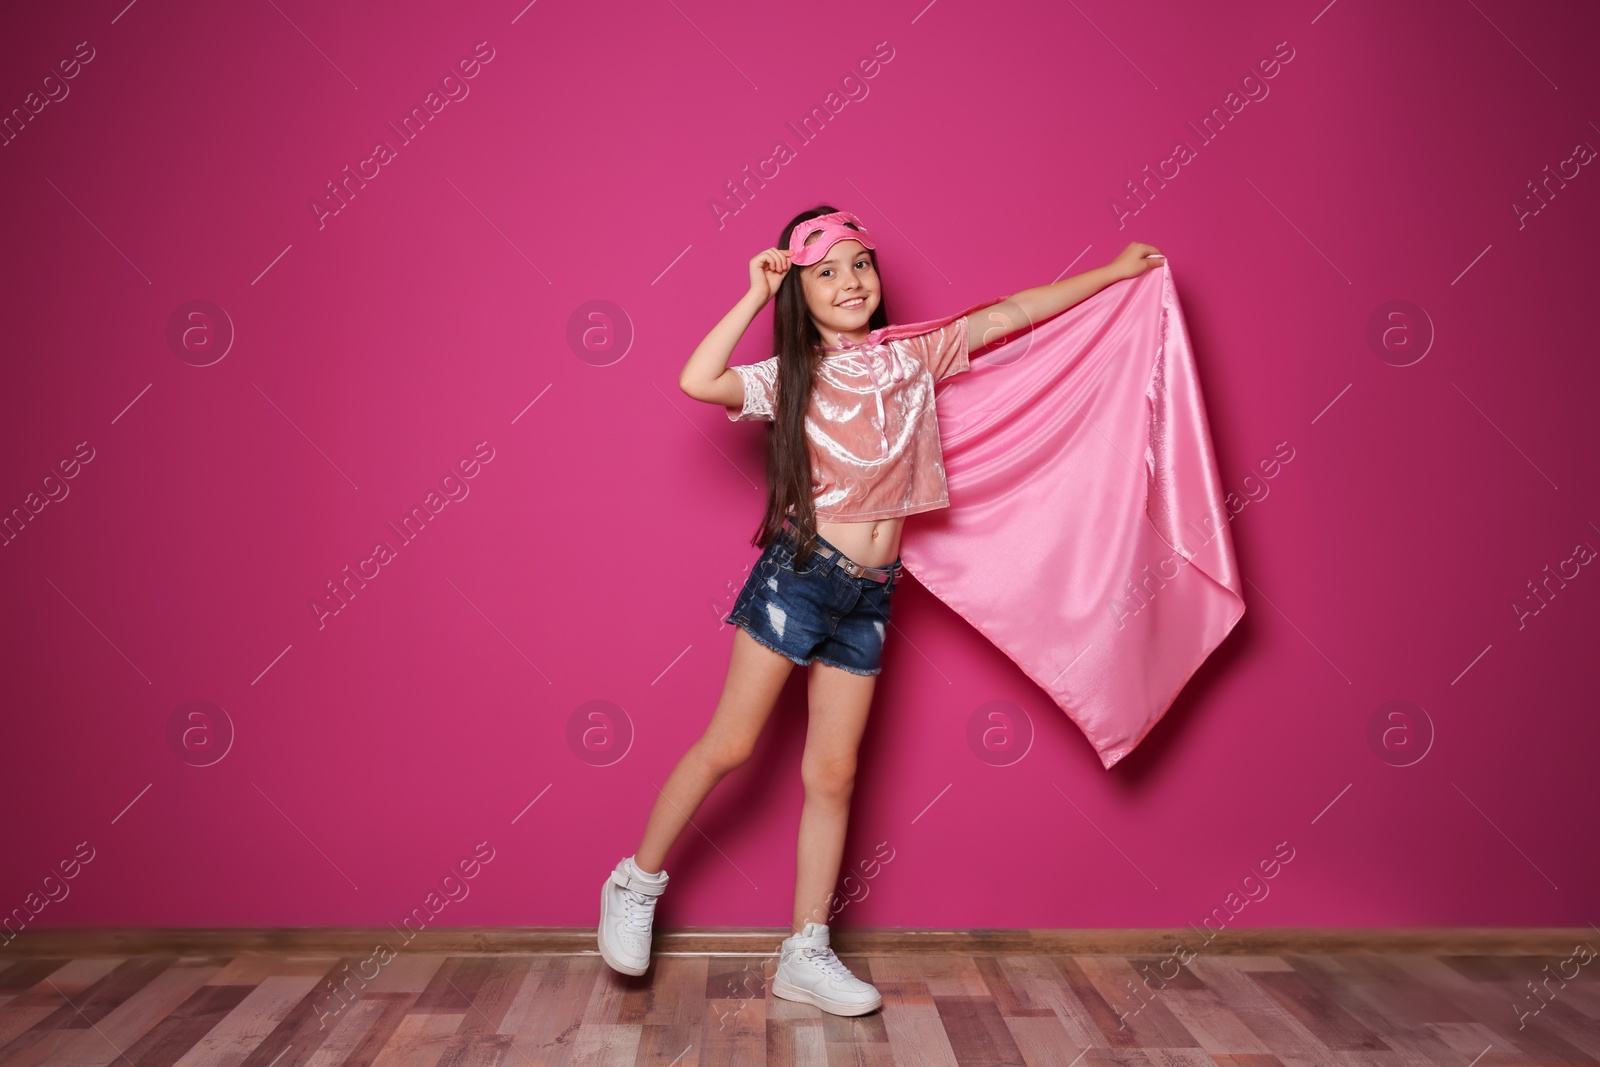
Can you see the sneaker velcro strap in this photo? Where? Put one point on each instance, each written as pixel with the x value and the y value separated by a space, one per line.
pixel 639 885
pixel 814 941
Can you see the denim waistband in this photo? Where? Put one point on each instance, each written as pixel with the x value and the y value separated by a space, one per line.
pixel 837 556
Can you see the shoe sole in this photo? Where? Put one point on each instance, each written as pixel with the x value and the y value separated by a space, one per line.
pixel 789 991
pixel 600 939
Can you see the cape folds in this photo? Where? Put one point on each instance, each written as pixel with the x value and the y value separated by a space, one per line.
pixel 1086 537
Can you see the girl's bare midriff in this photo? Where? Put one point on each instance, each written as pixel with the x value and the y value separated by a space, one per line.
pixel 873 543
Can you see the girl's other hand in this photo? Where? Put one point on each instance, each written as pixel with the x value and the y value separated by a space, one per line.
pixel 1132 262
pixel 767 271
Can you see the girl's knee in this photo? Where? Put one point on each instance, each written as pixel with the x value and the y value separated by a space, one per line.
pixel 829 781
pixel 724 754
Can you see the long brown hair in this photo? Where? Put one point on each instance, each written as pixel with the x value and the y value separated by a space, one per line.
pixel 798 346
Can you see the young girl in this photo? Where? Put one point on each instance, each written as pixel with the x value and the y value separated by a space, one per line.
pixel 853 448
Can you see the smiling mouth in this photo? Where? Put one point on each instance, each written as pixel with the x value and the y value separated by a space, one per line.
pixel 850 305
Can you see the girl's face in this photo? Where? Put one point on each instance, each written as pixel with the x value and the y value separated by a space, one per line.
pixel 842 291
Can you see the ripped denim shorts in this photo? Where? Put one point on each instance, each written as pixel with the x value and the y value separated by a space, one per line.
pixel 819 612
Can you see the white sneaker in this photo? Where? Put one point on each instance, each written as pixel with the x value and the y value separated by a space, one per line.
pixel 627 910
pixel 809 971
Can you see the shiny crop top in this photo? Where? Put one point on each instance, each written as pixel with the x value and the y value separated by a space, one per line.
pixel 874 438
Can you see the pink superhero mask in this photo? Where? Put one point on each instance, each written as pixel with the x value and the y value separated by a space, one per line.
pixel 833 229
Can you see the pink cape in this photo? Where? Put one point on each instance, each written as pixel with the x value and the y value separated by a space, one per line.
pixel 1087 536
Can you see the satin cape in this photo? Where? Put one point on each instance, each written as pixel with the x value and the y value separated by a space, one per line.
pixel 1087 535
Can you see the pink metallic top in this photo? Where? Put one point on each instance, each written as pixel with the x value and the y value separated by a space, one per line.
pixel 874 437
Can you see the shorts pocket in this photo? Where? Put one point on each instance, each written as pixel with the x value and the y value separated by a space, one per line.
pixel 879 602
pixel 785 556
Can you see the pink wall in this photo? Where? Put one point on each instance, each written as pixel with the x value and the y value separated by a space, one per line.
pixel 355 761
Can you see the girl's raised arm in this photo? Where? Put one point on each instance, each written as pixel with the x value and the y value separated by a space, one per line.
pixel 1031 306
pixel 706 376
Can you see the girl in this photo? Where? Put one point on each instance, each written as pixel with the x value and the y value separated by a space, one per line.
pixel 853 448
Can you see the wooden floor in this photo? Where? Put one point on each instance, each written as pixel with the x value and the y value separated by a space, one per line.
pixel 264 1008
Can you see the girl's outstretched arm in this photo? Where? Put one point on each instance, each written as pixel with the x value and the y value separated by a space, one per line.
pixel 1032 306
pixel 706 376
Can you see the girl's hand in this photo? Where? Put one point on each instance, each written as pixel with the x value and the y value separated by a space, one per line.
pixel 767 271
pixel 1132 262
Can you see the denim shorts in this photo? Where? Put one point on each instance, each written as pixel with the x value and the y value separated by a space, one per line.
pixel 818 612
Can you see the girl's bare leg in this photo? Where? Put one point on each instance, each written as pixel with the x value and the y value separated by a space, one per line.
pixel 755 678
pixel 839 703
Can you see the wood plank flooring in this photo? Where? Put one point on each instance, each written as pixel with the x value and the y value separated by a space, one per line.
pixel 1353 1006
